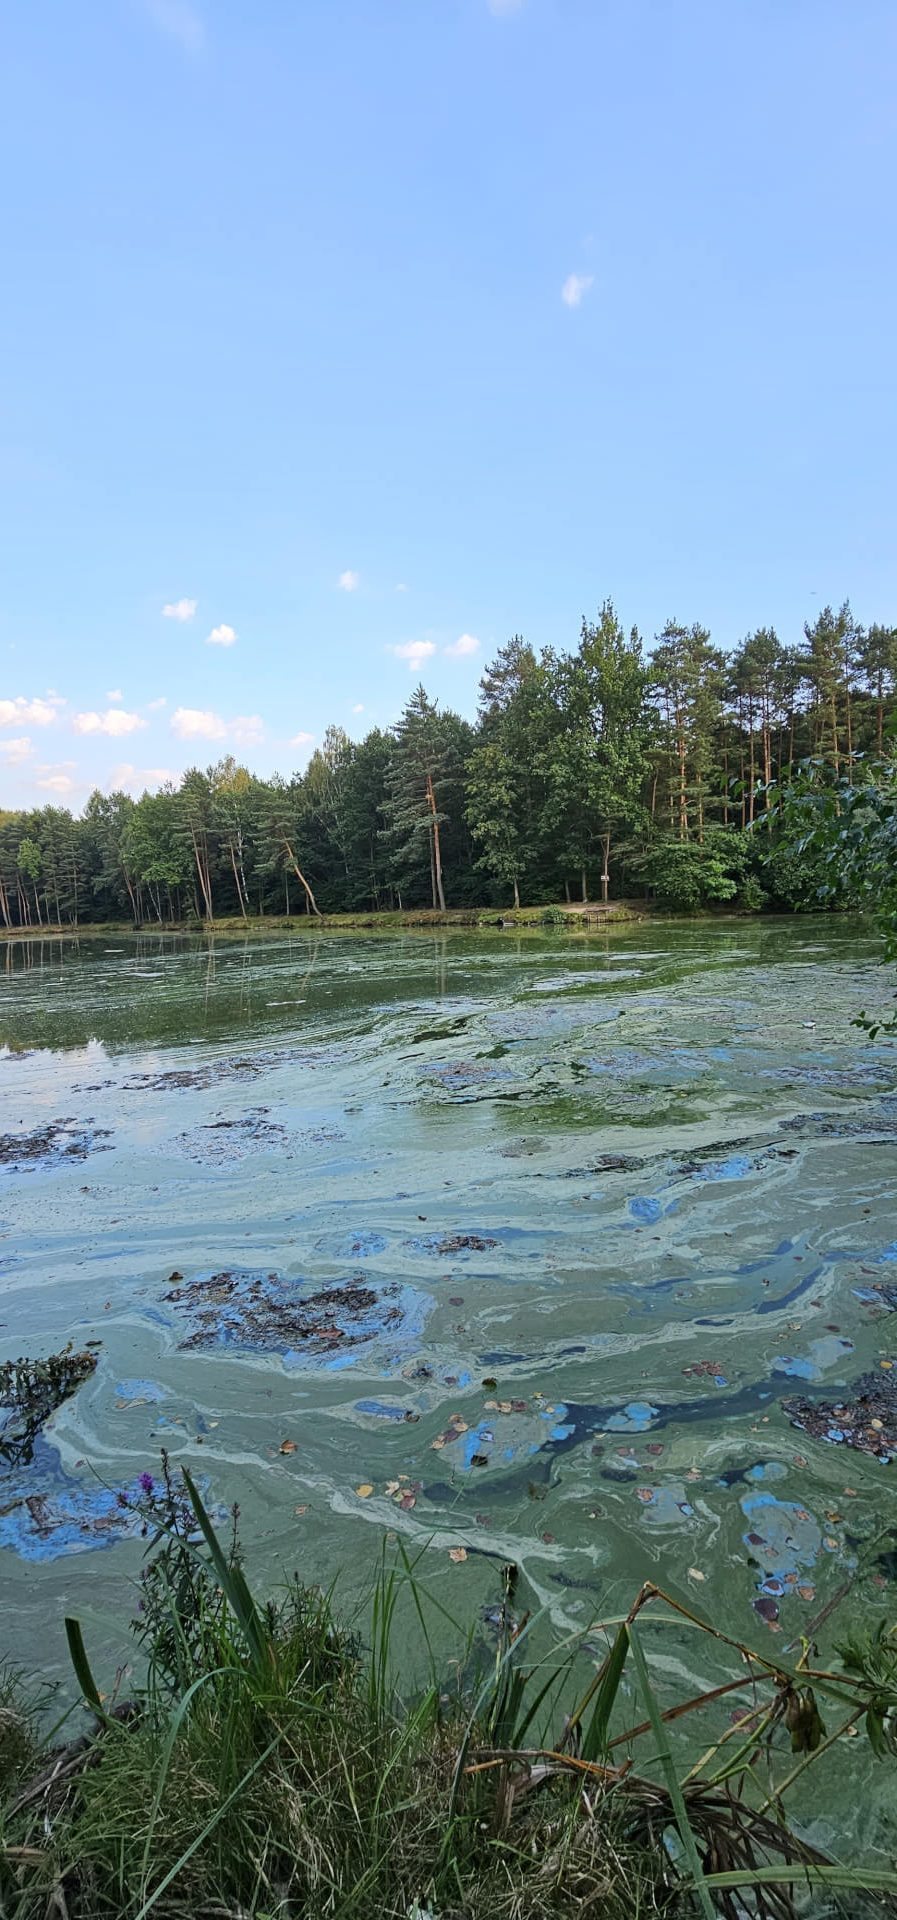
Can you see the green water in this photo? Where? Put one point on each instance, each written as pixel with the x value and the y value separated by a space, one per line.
pixel 674 1159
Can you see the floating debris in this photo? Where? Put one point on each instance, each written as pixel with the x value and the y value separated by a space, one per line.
pixel 453 1243
pixel 51 1146
pixel 265 1312
pixel 211 1073
pixel 220 1142
pixel 866 1422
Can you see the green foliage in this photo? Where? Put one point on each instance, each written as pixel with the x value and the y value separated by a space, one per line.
pixel 684 875
pixel 584 766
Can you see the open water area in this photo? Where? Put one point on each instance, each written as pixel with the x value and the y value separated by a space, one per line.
pixel 512 1246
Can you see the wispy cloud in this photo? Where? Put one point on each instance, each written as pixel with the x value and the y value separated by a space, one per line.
pixel 504 7
pixel 115 721
pixel 155 706
pixel 21 712
pixel 116 694
pixel 358 707
pixel 575 288
pixel 179 609
pixel 401 586
pixel 61 783
pixel 302 740
pixel 197 723
pixel 460 649
pixel 178 20
pixel 414 651
pixel 201 723
pixel 221 637
pixel 16 751
pixel 136 780
pixel 349 581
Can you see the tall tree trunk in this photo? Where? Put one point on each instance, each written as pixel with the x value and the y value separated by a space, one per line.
pixel 437 850
pixel 881 712
pixel 202 868
pixel 516 892
pixel 237 884
pixel 310 901
pixel 605 872
pixel 583 886
pixel 683 785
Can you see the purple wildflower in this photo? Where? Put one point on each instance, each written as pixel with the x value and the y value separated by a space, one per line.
pixel 147 1482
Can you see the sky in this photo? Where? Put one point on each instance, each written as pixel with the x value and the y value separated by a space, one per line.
pixel 342 339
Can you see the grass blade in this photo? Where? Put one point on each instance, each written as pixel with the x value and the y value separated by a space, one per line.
pixel 677 1798
pixel 594 1740
pixel 857 1879
pixel 231 1580
pixel 211 1823
pixel 83 1669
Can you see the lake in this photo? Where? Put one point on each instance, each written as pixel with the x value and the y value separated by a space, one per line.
pixel 509 1245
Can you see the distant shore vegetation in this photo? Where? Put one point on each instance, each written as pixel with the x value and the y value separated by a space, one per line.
pixel 597 773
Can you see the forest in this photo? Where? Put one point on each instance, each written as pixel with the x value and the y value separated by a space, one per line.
pixel 608 771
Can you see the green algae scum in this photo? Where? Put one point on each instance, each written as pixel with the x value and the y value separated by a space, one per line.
pixel 571 1252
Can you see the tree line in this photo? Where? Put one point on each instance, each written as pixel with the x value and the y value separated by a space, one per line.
pixel 604 770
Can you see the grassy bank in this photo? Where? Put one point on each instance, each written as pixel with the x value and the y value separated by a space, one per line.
pixel 590 917
pixel 270 1763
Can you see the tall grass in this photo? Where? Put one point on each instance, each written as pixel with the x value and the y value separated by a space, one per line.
pixel 271 1765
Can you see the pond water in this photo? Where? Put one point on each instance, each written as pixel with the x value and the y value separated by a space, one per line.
pixel 503 1242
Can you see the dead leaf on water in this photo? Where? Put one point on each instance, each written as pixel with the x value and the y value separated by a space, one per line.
pixel 288 1446
pixel 365 1490
pixel 457 1553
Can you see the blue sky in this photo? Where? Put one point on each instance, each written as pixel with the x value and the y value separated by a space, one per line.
pixel 365 333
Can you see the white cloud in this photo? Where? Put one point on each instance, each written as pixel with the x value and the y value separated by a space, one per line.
pixel 60 783
pixel 179 20
pixel 192 723
pixel 358 707
pixel 155 706
pixel 349 581
pixel 401 586
pixel 247 730
pixel 221 637
pixel 414 651
pixel 116 694
pixel 198 723
pixel 115 721
pixel 18 712
pixel 575 288
pixel 55 699
pixel 465 644
pixel 129 779
pixel 180 609
pixel 302 740
pixel 15 751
